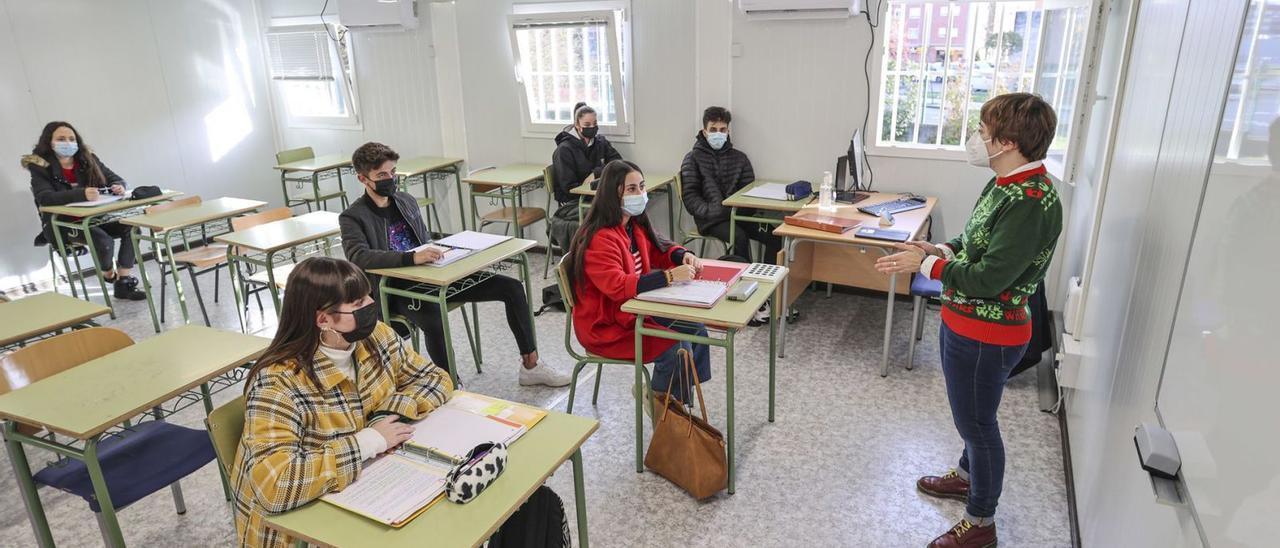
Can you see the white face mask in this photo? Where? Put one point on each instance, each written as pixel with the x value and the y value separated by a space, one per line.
pixel 976 148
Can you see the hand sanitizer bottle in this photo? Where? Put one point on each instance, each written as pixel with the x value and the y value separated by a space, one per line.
pixel 826 194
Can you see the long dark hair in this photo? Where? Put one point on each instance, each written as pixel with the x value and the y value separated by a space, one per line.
pixel 317 283
pixel 83 157
pixel 606 212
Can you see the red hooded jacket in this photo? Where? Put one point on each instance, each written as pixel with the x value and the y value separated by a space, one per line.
pixel 610 280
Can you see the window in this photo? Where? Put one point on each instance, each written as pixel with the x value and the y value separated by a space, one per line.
pixel 1253 101
pixel 932 90
pixel 313 79
pixel 563 58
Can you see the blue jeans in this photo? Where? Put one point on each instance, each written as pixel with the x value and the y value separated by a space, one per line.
pixel 668 365
pixel 975 373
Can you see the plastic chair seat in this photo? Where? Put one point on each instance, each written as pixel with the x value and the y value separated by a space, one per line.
pixel 281 274
pixel 202 257
pixel 525 215
pixel 135 463
pixel 925 287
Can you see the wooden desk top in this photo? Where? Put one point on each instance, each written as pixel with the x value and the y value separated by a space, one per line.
pixel 466 266
pixel 913 221
pixel 44 313
pixel 202 212
pixel 319 163
pixel 726 313
pixel 424 164
pixel 740 199
pixel 508 175
pixel 651 183
pixel 531 461
pixel 84 401
pixel 277 235
pixel 118 205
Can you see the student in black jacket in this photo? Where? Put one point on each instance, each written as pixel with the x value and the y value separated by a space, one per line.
pixel 384 229
pixel 581 153
pixel 63 171
pixel 713 171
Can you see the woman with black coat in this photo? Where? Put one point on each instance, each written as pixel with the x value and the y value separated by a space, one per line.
pixel 581 153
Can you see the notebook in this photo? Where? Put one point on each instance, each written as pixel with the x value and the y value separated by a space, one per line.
pixel 695 293
pixel 470 239
pixel 468 420
pixel 768 191
pixel 825 223
pixel 724 272
pixel 392 489
pixel 102 200
pixel 451 254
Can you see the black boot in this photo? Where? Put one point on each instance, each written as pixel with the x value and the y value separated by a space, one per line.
pixel 126 287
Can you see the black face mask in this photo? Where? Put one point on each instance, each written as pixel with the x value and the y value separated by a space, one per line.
pixel 385 187
pixel 590 132
pixel 366 320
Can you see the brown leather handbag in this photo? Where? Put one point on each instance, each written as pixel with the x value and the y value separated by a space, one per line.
pixel 686 449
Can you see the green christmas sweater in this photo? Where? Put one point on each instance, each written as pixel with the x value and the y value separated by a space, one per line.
pixel 989 272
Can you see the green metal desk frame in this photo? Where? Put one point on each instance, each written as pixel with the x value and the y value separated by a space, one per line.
pixel 455 170
pixel 269 262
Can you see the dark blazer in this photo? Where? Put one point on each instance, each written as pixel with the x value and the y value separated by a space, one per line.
pixel 364 236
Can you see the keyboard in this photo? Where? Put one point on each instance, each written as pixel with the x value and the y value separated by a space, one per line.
pixel 765 272
pixel 894 207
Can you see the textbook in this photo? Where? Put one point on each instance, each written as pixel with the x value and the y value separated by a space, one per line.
pixel 400 485
pixel 825 223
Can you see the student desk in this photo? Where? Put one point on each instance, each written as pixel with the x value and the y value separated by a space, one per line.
pixel 315 167
pixel 422 167
pixel 33 317
pixel 532 459
pixel 653 183
pixel 85 401
pixel 506 183
pixel 730 316
pixel 269 239
pixel 436 284
pixel 814 255
pixel 79 220
pixel 740 200
pixel 160 230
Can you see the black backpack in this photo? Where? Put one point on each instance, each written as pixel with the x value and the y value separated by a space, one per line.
pixel 551 298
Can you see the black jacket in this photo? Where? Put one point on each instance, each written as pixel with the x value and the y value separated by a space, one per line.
pixel 364 236
pixel 50 188
pixel 708 176
pixel 573 160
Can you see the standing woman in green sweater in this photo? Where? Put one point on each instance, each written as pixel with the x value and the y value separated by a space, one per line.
pixel 987 275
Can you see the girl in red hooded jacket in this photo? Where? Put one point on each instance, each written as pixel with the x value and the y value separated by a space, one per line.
pixel 616 255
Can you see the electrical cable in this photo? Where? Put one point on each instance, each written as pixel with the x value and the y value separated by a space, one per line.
pixel 872 24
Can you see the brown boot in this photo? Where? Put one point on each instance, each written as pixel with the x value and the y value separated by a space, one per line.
pixel 946 486
pixel 967 535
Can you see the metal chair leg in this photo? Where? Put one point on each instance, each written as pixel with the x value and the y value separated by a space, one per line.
pixel 471 339
pixel 179 504
pixel 164 280
pixel 573 386
pixel 595 393
pixel 216 283
pixel 195 285
pixel 84 289
pixel 915 322
pixel 102 528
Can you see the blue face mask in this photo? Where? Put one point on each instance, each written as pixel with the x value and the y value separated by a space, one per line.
pixel 66 149
pixel 717 140
pixel 634 204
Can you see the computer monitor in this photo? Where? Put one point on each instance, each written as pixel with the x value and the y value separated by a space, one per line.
pixel 857 162
pixel 842 169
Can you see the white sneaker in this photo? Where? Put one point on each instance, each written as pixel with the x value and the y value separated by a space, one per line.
pixel 543 374
pixel 761 316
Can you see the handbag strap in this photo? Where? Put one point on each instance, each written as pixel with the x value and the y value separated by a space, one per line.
pixel 692 371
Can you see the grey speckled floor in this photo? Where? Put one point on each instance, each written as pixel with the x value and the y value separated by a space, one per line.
pixel 836 469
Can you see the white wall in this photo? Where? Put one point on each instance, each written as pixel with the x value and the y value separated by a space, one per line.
pixel 168 93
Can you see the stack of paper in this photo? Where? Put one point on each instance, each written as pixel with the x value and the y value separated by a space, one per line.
pixel 392 490
pixel 695 293
pixel 103 199
pixel 768 191
pixel 470 239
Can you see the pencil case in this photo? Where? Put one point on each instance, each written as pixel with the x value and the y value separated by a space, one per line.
pixel 482 466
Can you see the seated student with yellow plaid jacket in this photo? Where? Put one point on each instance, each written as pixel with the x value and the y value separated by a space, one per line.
pixel 331 392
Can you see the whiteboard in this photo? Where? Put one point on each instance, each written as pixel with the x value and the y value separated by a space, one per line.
pixel 1220 393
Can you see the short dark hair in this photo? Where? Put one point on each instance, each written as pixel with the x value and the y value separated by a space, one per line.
pixel 371 155
pixel 716 114
pixel 1023 119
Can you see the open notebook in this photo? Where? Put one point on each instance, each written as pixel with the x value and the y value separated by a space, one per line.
pixel 461 245
pixel 397 487
pixel 712 283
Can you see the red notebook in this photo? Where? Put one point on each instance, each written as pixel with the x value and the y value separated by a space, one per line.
pixel 721 271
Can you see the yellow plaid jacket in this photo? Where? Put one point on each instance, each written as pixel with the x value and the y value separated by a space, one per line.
pixel 299 439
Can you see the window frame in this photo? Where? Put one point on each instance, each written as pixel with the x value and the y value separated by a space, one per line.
pixel 343 75
pixel 617 17
pixel 1062 169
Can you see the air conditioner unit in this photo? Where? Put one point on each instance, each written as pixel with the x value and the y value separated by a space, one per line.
pixel 363 14
pixel 799 9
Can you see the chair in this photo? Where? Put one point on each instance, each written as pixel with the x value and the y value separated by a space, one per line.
pixel 581 360
pixel 524 216
pixel 692 234
pixel 921 288
pixel 77 249
pixel 136 462
pixel 307 196
pixel 260 279
pixel 196 259
pixel 225 425
pixel 552 247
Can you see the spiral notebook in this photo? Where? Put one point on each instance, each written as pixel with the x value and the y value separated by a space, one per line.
pixel 392 489
pixel 695 293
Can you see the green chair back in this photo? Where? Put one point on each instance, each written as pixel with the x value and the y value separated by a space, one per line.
pixel 294 155
pixel 226 425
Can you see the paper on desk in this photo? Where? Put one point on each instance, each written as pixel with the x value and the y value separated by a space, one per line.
pixel 470 239
pixel 695 292
pixel 454 432
pixel 102 200
pixel 391 489
pixel 768 191
pixel 451 254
